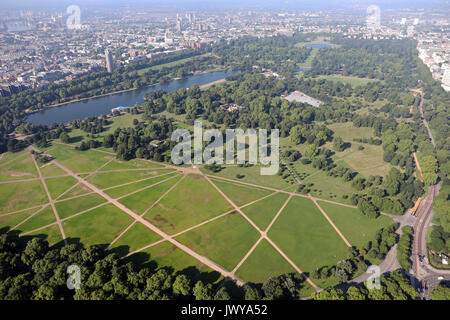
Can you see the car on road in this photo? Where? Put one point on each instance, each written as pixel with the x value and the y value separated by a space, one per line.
pixel 440 278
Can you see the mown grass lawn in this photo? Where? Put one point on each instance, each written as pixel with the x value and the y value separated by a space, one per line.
pixel 76 160
pixel 240 194
pixel 306 237
pixel 70 207
pixel 263 263
pixel 57 186
pixel 262 212
pixel 140 201
pixel 191 202
pixel 21 195
pixel 41 219
pixel 137 237
pixel 356 227
pixel 224 241
pixel 104 180
pixel 98 226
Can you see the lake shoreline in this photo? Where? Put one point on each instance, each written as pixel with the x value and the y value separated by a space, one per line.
pixel 115 92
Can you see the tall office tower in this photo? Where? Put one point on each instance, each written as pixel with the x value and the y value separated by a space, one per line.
pixel 109 61
pixel 179 27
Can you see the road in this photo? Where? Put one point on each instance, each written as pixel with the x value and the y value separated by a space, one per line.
pixel 422 271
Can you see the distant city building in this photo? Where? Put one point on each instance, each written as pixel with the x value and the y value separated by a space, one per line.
pixel 109 61
pixel 446 79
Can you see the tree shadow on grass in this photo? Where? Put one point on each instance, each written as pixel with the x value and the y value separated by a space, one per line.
pixel 195 274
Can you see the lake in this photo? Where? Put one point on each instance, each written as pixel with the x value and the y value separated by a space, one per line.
pixel 102 105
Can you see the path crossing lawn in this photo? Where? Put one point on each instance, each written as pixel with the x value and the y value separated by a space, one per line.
pixel 262 212
pixel 21 195
pixel 224 241
pixel 11 220
pixel 250 175
pixel 306 237
pixel 57 186
pixel 77 160
pixel 241 194
pixel 98 226
pixel 356 227
pixel 70 207
pixel 52 234
pixel 39 220
pixel 142 200
pixel 132 164
pixel 137 237
pixel 263 263
pixel 18 168
pixel 191 202
pixel 110 179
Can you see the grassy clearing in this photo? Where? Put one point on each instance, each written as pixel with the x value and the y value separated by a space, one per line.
pixel 351 80
pixel 11 220
pixel 52 234
pixel 110 179
pixel 263 263
pixel 137 237
pixel 121 191
pixel 251 175
pixel 123 121
pixel 167 255
pixel 241 194
pixel 109 220
pixel 22 167
pixel 304 234
pixel 331 188
pixel 170 64
pixel 43 218
pixel 262 212
pixel 142 200
pixel 56 186
pixel 78 161
pixel 191 202
pixel 70 207
pixel 21 195
pixel 8 157
pixel 78 190
pixel 356 227
pixel 224 241
pixel 132 164
pixel 51 170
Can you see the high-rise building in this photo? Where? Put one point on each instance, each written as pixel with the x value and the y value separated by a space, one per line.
pixel 109 61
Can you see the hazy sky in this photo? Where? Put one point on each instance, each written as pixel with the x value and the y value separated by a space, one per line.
pixel 244 4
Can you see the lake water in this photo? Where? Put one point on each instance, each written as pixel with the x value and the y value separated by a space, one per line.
pixel 303 69
pixel 317 45
pixel 103 105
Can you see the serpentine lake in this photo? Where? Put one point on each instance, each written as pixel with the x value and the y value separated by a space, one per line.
pixel 102 105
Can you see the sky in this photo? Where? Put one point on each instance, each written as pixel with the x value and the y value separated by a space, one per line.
pixel 237 4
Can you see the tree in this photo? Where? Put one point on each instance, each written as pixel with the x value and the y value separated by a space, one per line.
pixel 441 292
pixel 338 144
pixel 182 285
pixel 310 151
pixel 202 291
pixel 222 294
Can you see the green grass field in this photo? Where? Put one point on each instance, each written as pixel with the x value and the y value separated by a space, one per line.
pixel 351 80
pixel 52 234
pixel 142 200
pixel 78 161
pixel 225 240
pixel 121 191
pixel 167 255
pixel 11 220
pixel 70 207
pixel 56 186
pixel 20 167
pixel 137 237
pixel 356 227
pixel 43 218
pixel 262 212
pixel 263 263
pixel 304 234
pixel 241 194
pixel 132 164
pixel 21 195
pixel 105 180
pixel 251 175
pixel 85 228
pixel 191 202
